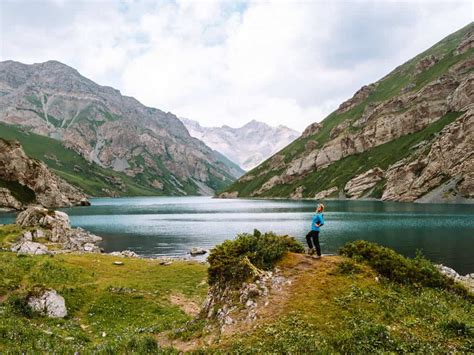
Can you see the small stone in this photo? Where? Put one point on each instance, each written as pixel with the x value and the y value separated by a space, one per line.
pixel 197 251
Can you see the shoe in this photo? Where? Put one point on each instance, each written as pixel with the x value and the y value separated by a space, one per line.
pixel 316 256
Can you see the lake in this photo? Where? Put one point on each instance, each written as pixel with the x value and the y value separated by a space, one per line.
pixel 160 226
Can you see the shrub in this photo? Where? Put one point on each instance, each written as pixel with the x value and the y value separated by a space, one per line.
pixel 348 267
pixel 395 267
pixel 235 261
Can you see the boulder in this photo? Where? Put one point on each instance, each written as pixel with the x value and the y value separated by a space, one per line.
pixel 29 247
pixel 197 251
pixel 48 303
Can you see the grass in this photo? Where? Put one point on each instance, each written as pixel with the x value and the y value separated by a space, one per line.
pixel 333 305
pixel 341 307
pixel 8 234
pixel 110 308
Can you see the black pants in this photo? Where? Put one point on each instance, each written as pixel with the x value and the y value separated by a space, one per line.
pixel 312 238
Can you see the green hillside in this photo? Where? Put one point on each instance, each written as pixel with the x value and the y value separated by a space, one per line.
pixel 75 169
pixel 340 172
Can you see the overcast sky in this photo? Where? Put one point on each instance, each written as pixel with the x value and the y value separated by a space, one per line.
pixel 281 62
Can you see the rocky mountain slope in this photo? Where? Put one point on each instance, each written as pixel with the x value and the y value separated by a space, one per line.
pixel 407 137
pixel 248 145
pixel 25 181
pixel 111 130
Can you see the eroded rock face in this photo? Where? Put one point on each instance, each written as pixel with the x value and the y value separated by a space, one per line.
pixel 46 188
pixel 325 193
pixel 358 97
pixel 466 43
pixel 312 129
pixel 8 200
pixel 49 303
pixel 358 185
pixel 451 155
pixel 425 63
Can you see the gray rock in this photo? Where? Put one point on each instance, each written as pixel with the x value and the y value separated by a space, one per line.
pixel 49 303
pixel 31 248
pixel 197 251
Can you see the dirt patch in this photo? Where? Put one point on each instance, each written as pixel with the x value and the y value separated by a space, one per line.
pixel 188 306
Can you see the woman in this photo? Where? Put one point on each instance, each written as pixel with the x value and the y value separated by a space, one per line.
pixel 312 238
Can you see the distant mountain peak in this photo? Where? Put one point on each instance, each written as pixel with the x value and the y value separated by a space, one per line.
pixel 247 145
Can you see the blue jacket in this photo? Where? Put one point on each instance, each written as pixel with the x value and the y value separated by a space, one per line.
pixel 318 218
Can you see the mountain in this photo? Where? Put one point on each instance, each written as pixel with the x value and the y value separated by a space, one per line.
pixel 25 181
pixel 407 137
pixel 248 145
pixel 113 131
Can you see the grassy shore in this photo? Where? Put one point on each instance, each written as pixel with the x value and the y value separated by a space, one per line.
pixel 335 304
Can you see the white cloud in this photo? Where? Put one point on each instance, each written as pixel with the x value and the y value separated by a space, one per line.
pixel 282 62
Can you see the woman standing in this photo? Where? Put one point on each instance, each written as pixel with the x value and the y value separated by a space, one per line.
pixel 312 238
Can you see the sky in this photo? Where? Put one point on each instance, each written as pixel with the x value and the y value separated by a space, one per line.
pixel 228 62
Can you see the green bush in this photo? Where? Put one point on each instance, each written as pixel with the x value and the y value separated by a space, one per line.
pixel 395 267
pixel 235 261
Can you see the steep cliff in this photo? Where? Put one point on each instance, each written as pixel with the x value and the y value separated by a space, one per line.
pixel 109 129
pixel 25 181
pixel 406 137
pixel 248 145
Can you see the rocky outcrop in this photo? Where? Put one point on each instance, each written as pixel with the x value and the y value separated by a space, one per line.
pixel 357 186
pixel 54 227
pixel 466 280
pixel 450 155
pixel 225 306
pixel 7 200
pixel 48 303
pixel 425 63
pixel 107 128
pixel 325 193
pixel 466 43
pixel 29 247
pixel 24 173
pixel 358 97
pixel 311 130
pixel 248 145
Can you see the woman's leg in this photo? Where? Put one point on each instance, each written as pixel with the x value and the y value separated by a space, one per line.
pixel 308 240
pixel 316 243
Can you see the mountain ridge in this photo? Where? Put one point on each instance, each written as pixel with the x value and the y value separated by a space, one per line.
pixel 397 126
pixel 117 132
pixel 247 145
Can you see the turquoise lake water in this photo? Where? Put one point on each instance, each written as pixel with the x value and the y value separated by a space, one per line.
pixel 157 226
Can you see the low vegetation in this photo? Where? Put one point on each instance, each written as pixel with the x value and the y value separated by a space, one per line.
pixel 111 308
pixel 235 261
pixel 416 272
pixel 368 300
